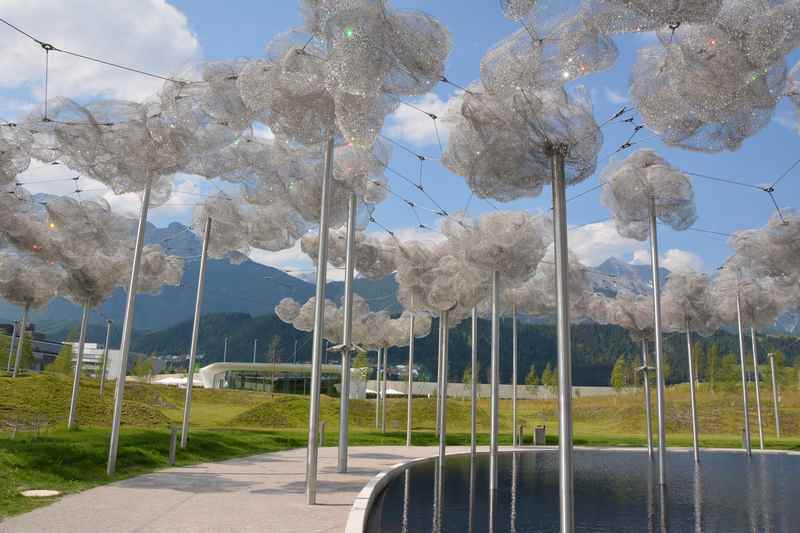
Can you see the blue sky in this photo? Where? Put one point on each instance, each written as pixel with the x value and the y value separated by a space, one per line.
pixel 151 35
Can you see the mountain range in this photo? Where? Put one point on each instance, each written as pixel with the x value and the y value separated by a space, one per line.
pixel 252 289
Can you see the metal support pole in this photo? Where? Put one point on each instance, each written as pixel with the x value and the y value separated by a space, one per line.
pixel 662 434
pixel 255 349
pixel 127 332
pixel 198 304
pixel 648 415
pixel 473 407
pixel 443 320
pixel 758 392
pixel 744 374
pixel 225 351
pixel 383 387
pixel 11 346
pixel 410 391
pixel 495 381
pixel 775 404
pixel 566 466
pixel 515 355
pixel 347 334
pixel 378 390
pixel 76 380
pixel 319 328
pixel 21 340
pixel 439 377
pixel 695 439
pixel 109 323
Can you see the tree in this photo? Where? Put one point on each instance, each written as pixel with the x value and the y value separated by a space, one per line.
pixel 144 367
pixel 532 380
pixel 712 366
pixel 730 373
pixel 63 362
pixel 619 373
pixel 550 379
pixel 699 360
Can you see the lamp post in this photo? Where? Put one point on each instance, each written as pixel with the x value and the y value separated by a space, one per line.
pixel 566 466
pixel 201 282
pixel 20 340
pixel 495 369
pixel 695 440
pixel 775 400
pixel 662 436
pixel 346 348
pixel 76 381
pixel 225 351
pixel 319 324
pixel 649 417
pixel 105 358
pixel 410 391
pixel 515 355
pixel 473 407
pixel 758 392
pixel 744 374
pixel 127 332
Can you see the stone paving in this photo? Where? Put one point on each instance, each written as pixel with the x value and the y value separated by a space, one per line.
pixel 263 493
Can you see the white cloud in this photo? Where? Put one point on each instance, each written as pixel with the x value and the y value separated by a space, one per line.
pixel 414 127
pixel 295 263
pixel 615 97
pixel 786 119
pixel 417 234
pixel 150 35
pixel 676 260
pixel 594 243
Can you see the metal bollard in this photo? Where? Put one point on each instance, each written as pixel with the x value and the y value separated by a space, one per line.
pixel 173 438
pixel 322 433
pixel 539 435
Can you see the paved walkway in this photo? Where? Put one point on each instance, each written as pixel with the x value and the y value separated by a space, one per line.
pixel 258 493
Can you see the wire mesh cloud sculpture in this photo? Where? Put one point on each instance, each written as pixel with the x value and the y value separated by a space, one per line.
pixel 631 187
pixel 761 298
pixel 15 152
pixel 27 280
pixel 687 303
pixel 503 145
pixel 773 250
pixel 374 256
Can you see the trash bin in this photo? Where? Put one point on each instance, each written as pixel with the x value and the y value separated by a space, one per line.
pixel 539 433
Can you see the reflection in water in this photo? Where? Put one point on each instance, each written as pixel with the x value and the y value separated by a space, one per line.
pixel 406 498
pixel 614 492
pixel 514 492
pixel 472 490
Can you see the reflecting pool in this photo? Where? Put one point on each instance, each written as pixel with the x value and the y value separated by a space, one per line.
pixel 614 491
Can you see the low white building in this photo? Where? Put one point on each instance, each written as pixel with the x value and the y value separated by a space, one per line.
pixel 93 359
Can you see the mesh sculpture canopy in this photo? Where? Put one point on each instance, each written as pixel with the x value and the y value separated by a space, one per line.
pixel 761 298
pixel 632 185
pixel 627 310
pixel 533 57
pixel 773 250
pixel 647 15
pixel 27 280
pixel 15 152
pixel 374 256
pixel 510 242
pixel 503 145
pixel 713 83
pixel 687 302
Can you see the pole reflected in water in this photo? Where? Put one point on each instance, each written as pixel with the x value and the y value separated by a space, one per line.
pixel 698 499
pixel 472 475
pixel 514 492
pixel 406 500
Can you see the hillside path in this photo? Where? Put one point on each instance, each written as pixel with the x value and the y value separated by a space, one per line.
pixel 259 493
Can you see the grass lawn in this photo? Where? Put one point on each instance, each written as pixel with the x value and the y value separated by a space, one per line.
pixel 228 424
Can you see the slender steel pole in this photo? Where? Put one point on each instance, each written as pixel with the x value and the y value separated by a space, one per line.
pixel 566 466
pixel 225 351
pixel 76 380
pixel 444 321
pixel 319 328
pixel 347 334
pixel 439 378
pixel 105 358
pixel 473 407
pixel 127 333
pixel 515 356
pixel 410 391
pixel 378 390
pixel 21 340
pixel 695 439
pixel 648 415
pixel 198 305
pixel 495 368
pixel 758 392
pixel 11 346
pixel 662 435
pixel 255 349
pixel 383 387
pixel 744 373
pixel 775 404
